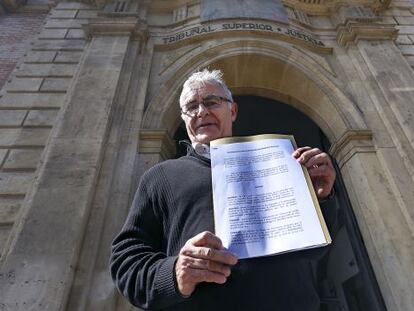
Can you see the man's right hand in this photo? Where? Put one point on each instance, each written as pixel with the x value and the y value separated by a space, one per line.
pixel 202 259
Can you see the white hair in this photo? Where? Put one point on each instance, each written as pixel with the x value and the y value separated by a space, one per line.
pixel 200 78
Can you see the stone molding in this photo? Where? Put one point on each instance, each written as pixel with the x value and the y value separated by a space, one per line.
pixel 352 32
pixel 351 142
pixel 156 141
pixel 128 26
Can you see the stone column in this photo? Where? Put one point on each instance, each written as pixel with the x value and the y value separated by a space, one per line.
pixel 37 272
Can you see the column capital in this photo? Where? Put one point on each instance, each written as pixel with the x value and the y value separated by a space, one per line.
pixel 156 141
pixel 351 142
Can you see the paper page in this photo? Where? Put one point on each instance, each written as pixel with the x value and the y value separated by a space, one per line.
pixel 262 202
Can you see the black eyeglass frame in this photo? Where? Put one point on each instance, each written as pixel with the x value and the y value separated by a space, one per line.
pixel 208 97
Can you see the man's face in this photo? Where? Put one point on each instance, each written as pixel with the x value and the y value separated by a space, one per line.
pixel 208 125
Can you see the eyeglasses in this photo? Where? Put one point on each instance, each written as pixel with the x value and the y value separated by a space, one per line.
pixel 210 102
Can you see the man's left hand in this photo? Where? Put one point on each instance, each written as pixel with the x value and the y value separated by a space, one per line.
pixel 320 168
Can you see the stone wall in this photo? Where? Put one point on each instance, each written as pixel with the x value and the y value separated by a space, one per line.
pixel 17 30
pixel 89 97
pixel 31 98
pixel 401 13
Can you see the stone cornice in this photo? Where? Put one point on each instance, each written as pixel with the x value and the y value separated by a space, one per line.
pixel 113 26
pixel 156 141
pixel 318 7
pixel 352 31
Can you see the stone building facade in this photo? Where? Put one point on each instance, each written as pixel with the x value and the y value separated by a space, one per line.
pixel 93 104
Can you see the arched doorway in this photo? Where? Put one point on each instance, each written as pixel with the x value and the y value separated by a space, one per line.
pixel 343 274
pixel 278 72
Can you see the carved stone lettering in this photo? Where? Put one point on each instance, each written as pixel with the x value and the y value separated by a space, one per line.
pixel 240 26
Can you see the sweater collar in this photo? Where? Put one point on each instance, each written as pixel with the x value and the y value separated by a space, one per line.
pixel 202 149
pixel 191 152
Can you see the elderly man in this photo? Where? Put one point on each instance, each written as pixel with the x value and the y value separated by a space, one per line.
pixel 167 256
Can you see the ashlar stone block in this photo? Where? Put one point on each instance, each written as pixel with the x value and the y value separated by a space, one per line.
pixel 41 118
pixel 75 34
pixel 397 12
pixel 4 235
pixel 34 100
pixel 14 184
pixel 65 23
pixel 55 84
pixel 3 153
pixel 46 70
pixel 410 60
pixel 53 34
pixel 72 5
pixel 12 117
pixel 40 57
pixel 68 57
pixel 68 45
pixel 24 85
pixel 63 13
pixel 34 137
pixel 405 20
pixel 405 30
pixel 402 3
pixel 407 49
pixel 9 209
pixel 22 159
pixel 23 137
pixel 8 137
pixel 403 40
pixel 87 14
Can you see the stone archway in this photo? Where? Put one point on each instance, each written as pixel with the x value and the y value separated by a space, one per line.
pixel 280 72
pixel 304 80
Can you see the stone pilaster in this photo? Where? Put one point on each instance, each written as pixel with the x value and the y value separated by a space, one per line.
pixel 381 215
pixel 92 287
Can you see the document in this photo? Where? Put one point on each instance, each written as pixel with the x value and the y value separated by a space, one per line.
pixel 264 202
